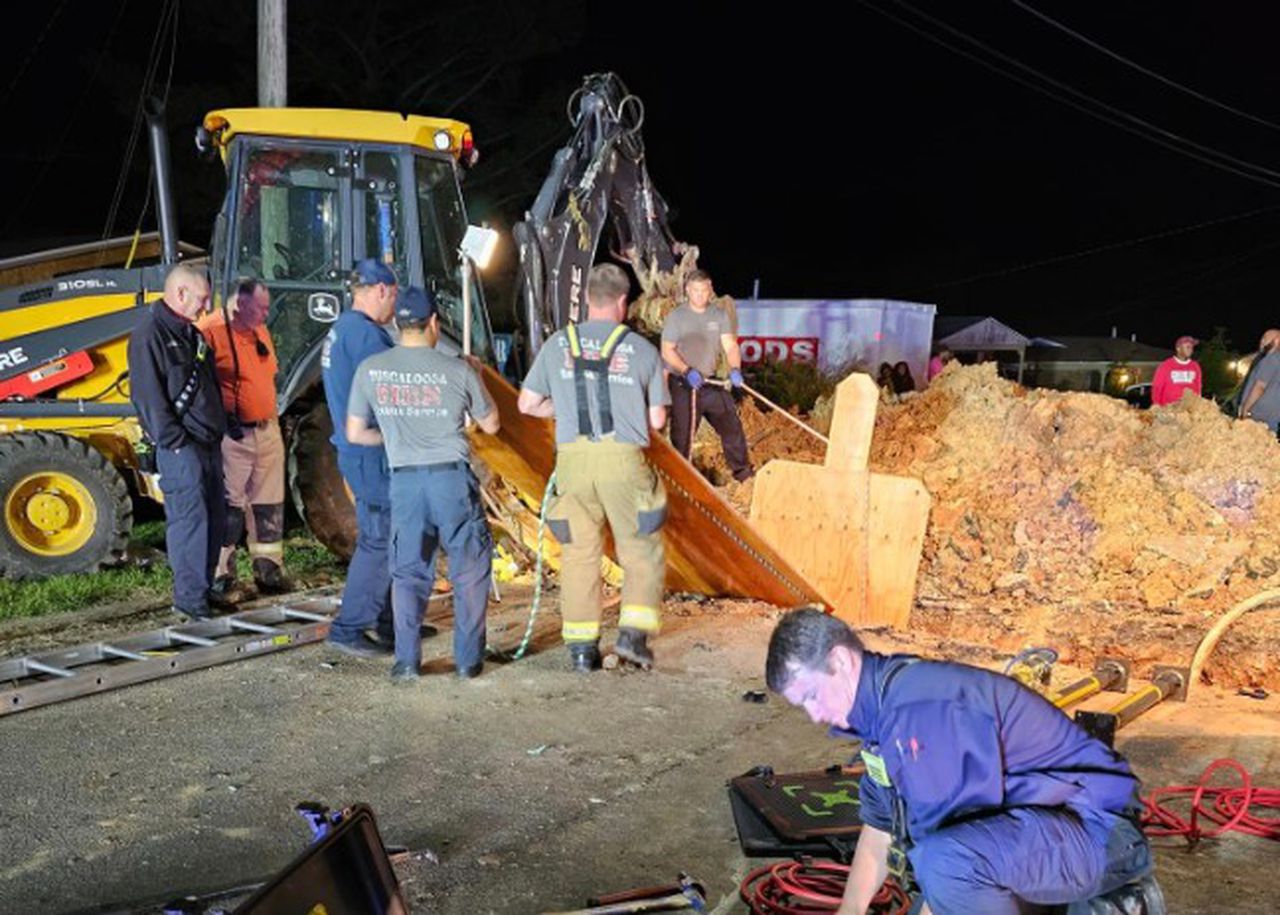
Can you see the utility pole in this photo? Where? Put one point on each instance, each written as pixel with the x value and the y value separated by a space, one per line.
pixel 271 54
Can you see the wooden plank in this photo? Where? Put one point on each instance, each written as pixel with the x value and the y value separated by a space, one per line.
pixel 817 518
pixel 711 549
pixel 862 558
pixel 853 420
pixel 856 536
pixel 898 519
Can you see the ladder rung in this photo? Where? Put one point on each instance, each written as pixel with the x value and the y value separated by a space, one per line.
pixel 190 639
pixel 122 653
pixel 252 627
pixel 303 615
pixel 39 667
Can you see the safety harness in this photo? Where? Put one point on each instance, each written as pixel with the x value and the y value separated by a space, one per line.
pixel 599 365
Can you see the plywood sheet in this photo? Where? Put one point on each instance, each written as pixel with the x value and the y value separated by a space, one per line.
pixel 855 535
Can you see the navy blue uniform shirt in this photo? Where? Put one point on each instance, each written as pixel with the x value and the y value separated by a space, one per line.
pixel 958 740
pixel 353 338
pixel 163 356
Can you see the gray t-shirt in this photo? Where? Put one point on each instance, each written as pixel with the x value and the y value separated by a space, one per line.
pixel 1267 409
pixel 697 335
pixel 635 383
pixel 418 397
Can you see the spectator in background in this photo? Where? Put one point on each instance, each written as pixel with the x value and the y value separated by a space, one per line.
pixel 884 379
pixel 941 359
pixel 902 380
pixel 1262 386
pixel 1177 374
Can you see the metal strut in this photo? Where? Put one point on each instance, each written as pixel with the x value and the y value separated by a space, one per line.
pixel 1166 683
pixel 1110 674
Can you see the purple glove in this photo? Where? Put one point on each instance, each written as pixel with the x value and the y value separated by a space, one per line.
pixel 735 377
pixel 694 379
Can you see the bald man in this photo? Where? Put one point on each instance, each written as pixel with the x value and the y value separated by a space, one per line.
pixel 175 391
pixel 1261 387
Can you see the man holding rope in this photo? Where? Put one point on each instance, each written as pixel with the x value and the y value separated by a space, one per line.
pixel 692 339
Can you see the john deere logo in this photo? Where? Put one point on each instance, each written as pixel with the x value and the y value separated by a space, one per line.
pixel 323 307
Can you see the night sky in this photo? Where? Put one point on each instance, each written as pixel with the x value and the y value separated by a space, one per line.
pixel 833 154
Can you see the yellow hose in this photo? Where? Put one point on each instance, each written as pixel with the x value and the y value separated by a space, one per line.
pixel 1215 633
pixel 133 249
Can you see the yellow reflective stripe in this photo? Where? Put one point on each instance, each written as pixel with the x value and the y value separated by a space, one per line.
pixel 579 631
pixel 612 340
pixel 266 549
pixel 637 616
pixel 575 348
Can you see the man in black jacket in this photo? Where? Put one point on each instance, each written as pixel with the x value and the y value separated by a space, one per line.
pixel 173 386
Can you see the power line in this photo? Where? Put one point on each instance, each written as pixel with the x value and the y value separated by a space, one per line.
pixel 1100 249
pixel 1187 286
pixel 1059 84
pixel 1114 121
pixel 168 17
pixel 31 54
pixel 1120 58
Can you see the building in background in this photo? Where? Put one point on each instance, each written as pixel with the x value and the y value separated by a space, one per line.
pixel 975 338
pixel 1107 365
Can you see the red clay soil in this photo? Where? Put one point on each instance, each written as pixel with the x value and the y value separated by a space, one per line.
pixel 1075 521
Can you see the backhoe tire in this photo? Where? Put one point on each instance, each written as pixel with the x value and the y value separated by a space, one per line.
pixel 319 493
pixel 63 507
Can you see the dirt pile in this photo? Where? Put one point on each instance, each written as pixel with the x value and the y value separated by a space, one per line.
pixel 1077 521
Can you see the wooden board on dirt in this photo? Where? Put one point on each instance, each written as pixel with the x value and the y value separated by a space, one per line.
pixel 855 535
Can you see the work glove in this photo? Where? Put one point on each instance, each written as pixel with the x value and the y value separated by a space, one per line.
pixel 694 379
pixel 735 377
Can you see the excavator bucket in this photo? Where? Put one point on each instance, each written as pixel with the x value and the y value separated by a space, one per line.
pixel 711 549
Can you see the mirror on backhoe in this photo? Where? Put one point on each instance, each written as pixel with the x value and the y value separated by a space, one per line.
pixel 442 223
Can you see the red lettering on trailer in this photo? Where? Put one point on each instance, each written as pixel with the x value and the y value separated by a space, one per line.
pixel 778 349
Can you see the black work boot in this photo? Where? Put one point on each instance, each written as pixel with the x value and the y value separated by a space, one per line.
pixel 632 645
pixel 270 577
pixel 584 656
pixel 226 593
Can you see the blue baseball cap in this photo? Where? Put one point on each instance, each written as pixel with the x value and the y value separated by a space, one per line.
pixel 370 272
pixel 413 303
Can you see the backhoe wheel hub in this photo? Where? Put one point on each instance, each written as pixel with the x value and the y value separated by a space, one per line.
pixel 50 513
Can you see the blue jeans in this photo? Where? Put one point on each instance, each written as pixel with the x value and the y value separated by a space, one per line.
pixel 195 515
pixel 366 599
pixel 1027 860
pixel 434 506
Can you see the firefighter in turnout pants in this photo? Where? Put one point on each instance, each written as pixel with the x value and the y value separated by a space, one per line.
pixel 604 386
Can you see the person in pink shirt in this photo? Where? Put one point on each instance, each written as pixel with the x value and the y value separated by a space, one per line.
pixel 937 363
pixel 1177 374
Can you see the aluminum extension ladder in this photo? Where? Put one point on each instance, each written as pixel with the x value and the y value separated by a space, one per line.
pixel 41 679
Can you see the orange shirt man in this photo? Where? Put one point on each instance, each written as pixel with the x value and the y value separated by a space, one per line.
pixel 252 449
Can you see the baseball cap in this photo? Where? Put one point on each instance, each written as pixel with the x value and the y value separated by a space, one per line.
pixel 413 303
pixel 1185 338
pixel 370 272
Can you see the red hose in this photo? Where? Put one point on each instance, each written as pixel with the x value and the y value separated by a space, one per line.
pixel 805 887
pixel 1229 808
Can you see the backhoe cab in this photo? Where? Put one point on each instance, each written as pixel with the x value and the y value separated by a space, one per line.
pixel 309 191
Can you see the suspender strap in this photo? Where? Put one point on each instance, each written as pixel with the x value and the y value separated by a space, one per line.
pixel 579 380
pixel 600 366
